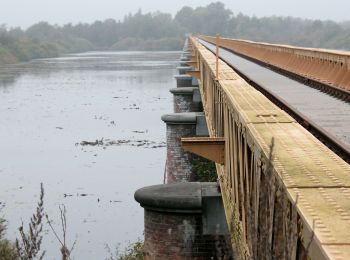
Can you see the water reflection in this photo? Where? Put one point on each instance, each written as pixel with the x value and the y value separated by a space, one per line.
pixel 50 105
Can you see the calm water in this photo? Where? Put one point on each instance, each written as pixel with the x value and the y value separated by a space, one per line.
pixel 48 107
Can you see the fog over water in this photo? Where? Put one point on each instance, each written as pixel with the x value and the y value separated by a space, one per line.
pixel 88 125
pixel 25 13
pixel 48 108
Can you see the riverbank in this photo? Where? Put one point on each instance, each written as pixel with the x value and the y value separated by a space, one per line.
pixel 14 55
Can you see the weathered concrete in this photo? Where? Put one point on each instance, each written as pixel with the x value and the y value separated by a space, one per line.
pixel 183 69
pixel 186 100
pixel 197 100
pixel 183 81
pixel 214 218
pixel 180 118
pixel 194 82
pixel 179 166
pixel 183 91
pixel 183 197
pixel 201 126
pixel 177 224
pixel 183 63
pixel 197 96
pixel 193 118
pixel 186 55
pixel 184 58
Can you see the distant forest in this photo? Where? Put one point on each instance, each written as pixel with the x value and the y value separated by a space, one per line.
pixel 161 31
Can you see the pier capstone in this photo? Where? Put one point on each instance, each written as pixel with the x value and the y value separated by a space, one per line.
pixel 184 221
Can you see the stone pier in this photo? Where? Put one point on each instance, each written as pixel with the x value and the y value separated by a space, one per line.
pixel 184 69
pixel 184 221
pixel 179 166
pixel 186 99
pixel 183 81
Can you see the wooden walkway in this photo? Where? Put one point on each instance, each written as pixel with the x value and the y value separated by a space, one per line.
pixel 300 204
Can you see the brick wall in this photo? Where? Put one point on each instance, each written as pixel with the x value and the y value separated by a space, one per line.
pixel 179 236
pixel 183 103
pixel 178 167
pixel 184 82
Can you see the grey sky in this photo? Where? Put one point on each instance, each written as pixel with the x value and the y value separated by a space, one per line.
pixel 26 12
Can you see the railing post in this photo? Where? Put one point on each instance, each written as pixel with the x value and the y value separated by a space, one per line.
pixel 217 56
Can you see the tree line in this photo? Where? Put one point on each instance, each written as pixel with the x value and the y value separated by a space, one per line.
pixel 162 31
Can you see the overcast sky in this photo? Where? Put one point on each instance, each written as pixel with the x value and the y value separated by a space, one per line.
pixel 27 12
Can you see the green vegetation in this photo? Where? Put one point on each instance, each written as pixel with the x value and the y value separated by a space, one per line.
pixel 204 170
pixel 161 31
pixel 133 251
pixel 28 245
pixel 7 248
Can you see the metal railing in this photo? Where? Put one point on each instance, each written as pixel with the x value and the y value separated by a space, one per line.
pixel 329 67
pixel 269 180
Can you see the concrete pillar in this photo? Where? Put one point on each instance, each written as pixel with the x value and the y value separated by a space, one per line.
pixel 201 125
pixel 186 52
pixel 178 165
pixel 183 63
pixel 183 81
pixel 194 82
pixel 184 58
pixel 185 99
pixel 183 69
pixel 180 223
pixel 197 100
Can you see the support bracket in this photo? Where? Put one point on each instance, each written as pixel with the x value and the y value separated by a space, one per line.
pixel 192 63
pixel 211 148
pixel 194 73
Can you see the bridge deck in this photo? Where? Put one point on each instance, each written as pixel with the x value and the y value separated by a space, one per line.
pixel 328 112
pixel 311 174
pixel 307 168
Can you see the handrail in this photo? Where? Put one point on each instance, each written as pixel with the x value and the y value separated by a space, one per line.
pixel 275 195
pixel 330 67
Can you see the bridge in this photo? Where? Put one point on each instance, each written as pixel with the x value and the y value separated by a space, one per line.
pixel 278 120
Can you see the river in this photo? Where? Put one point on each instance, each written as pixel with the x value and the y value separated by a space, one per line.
pixel 49 110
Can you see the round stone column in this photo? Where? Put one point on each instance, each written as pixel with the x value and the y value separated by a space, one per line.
pixel 183 63
pixel 183 69
pixel 174 224
pixel 183 99
pixel 178 164
pixel 183 81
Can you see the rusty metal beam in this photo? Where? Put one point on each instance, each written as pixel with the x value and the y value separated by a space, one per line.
pixel 211 148
pixel 194 73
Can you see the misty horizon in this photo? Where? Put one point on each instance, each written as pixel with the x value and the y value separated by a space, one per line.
pixel 62 12
pixel 164 32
